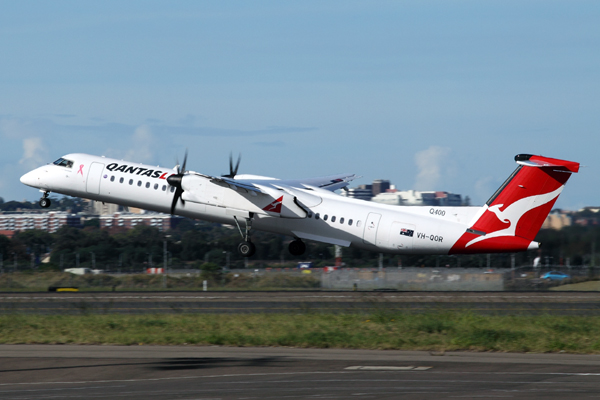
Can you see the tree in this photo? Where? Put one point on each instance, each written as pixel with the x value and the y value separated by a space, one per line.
pixel 35 241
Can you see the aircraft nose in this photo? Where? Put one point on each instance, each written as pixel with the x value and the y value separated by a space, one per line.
pixel 31 178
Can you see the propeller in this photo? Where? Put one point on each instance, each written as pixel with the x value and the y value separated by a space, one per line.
pixel 233 171
pixel 175 181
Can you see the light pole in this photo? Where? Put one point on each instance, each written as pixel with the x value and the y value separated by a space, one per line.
pixel 165 263
pixel 226 259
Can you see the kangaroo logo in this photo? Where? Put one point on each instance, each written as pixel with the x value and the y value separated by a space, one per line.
pixel 275 206
pixel 514 212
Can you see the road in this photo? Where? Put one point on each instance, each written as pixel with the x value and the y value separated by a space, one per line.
pixel 187 372
pixel 559 303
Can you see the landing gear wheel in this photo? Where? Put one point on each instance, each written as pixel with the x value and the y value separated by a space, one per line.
pixel 297 247
pixel 246 249
pixel 45 202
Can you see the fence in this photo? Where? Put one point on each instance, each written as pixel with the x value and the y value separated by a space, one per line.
pixel 414 279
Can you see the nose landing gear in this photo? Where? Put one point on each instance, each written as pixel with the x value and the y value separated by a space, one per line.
pixel 45 201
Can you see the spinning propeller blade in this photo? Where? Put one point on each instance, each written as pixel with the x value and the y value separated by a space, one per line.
pixel 175 181
pixel 233 171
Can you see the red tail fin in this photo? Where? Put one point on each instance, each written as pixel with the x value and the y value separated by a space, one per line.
pixel 512 217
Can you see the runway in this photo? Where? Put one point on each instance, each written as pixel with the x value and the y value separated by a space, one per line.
pixel 556 303
pixel 186 372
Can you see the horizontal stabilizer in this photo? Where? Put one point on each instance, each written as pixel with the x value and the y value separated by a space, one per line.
pixel 529 160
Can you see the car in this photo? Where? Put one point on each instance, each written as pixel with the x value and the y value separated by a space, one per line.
pixel 555 276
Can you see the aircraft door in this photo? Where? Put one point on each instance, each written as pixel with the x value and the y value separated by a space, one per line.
pixel 371 226
pixel 401 236
pixel 94 178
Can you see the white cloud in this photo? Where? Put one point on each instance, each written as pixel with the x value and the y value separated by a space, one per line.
pixel 433 164
pixel 143 145
pixel 34 152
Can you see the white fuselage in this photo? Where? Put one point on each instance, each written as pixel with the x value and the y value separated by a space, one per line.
pixel 343 221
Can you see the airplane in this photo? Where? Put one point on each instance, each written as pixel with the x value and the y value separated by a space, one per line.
pixel 309 209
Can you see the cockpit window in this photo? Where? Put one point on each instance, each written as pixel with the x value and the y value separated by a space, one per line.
pixel 61 162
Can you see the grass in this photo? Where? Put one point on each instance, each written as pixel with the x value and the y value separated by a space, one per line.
pixel 380 330
pixel 579 287
pixel 40 281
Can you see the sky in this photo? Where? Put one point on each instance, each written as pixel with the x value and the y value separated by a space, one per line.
pixel 431 95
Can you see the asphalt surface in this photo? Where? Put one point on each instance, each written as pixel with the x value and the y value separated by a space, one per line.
pixel 185 372
pixel 557 303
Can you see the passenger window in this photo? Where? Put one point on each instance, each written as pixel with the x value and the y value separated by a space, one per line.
pixel 342 220
pixel 131 181
pixel 317 216
pixel 358 223
pixel 121 180
pixel 164 188
pixel 112 178
pixel 147 185
pixel 350 222
pixel 172 189
pixel 140 183
pixel 333 219
pixel 155 186
pixel 325 217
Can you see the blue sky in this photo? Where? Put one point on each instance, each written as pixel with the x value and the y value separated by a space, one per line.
pixel 432 95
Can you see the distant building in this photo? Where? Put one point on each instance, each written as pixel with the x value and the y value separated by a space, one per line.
pixel 382 191
pixel 122 220
pixel 417 198
pixel 557 219
pixel 588 216
pixel 380 186
pixel 101 208
pixel 362 192
pixel 46 221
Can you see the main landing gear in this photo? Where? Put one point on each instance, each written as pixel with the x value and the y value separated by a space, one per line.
pixel 246 248
pixel 45 201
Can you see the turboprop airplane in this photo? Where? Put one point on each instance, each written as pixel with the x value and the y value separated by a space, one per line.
pixel 308 209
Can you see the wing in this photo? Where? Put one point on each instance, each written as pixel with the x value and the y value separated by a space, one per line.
pixel 256 184
pixel 331 182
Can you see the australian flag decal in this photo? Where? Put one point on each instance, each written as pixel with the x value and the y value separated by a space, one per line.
pixel 407 232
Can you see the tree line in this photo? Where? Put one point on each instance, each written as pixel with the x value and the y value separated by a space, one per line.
pixel 192 244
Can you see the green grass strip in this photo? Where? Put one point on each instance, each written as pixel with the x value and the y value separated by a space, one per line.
pixel 403 331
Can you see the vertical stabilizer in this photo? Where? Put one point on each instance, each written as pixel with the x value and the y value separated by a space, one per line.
pixel 512 217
